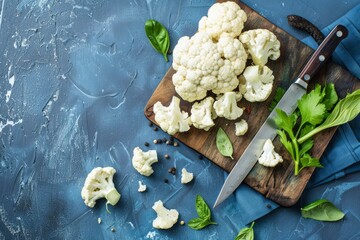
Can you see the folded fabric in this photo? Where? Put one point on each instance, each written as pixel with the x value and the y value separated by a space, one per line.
pixel 342 155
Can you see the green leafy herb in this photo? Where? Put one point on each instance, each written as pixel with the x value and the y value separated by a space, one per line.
pixel 344 111
pixel 279 93
pixel 322 210
pixel 158 36
pixel 224 144
pixel 204 213
pixel 316 112
pixel 246 233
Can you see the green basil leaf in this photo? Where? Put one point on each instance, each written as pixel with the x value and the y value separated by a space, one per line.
pixel 322 210
pixel 158 36
pixel 200 223
pixel 246 233
pixel 202 208
pixel 224 144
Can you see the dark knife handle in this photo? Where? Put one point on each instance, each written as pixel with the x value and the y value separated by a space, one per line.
pixel 323 52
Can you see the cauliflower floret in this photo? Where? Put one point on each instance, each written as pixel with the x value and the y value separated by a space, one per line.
pixel 171 119
pixel 241 127
pixel 226 106
pixel 186 176
pixel 142 161
pixel 204 65
pixel 223 18
pixel 261 44
pixel 269 158
pixel 165 218
pixel 142 187
pixel 99 184
pixel 258 83
pixel 202 114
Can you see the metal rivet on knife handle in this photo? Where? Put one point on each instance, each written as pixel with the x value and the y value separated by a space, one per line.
pixel 323 52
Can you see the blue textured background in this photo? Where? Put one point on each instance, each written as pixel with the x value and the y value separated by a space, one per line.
pixel 75 77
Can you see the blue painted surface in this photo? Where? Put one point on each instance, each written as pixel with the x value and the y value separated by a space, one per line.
pixel 75 77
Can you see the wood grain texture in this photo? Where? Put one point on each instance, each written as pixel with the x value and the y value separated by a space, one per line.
pixel 279 183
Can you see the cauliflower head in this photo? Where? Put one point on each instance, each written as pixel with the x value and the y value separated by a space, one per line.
pixel 99 184
pixel 261 44
pixel 142 161
pixel 226 106
pixel 258 83
pixel 165 218
pixel 202 114
pixel 186 176
pixel 171 119
pixel 204 65
pixel 269 158
pixel 241 127
pixel 225 18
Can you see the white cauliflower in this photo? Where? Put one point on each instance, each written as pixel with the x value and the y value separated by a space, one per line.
pixel 269 158
pixel 226 106
pixel 186 176
pixel 99 184
pixel 204 65
pixel 258 83
pixel 241 127
pixel 261 44
pixel 171 119
pixel 165 218
pixel 142 187
pixel 202 114
pixel 225 18
pixel 142 161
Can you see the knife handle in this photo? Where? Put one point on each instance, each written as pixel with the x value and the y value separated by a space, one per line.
pixel 323 52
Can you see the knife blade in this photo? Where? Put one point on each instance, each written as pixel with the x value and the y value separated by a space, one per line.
pixel 288 104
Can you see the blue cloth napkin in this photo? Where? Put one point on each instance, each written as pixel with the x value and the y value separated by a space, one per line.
pixel 342 155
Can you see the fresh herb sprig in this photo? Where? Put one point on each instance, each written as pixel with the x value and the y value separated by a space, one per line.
pixel 158 37
pixel 246 233
pixel 316 112
pixel 322 210
pixel 204 213
pixel 224 144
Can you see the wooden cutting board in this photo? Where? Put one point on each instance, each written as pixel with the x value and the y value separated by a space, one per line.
pixel 279 183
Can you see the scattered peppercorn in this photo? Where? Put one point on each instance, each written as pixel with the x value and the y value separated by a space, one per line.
pixel 176 144
pixel 171 138
pixel 167 156
pixel 146 144
pixel 166 181
pixel 155 141
pixel 151 124
pixel 155 129
pixel 164 139
pixel 113 229
pixel 169 142
pixel 268 206
pixel 159 141
pixel 172 170
pixel 201 157
pixel 182 222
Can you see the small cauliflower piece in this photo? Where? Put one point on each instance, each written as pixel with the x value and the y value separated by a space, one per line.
pixel 261 44
pixel 186 176
pixel 223 18
pixel 165 218
pixel 258 83
pixel 269 158
pixel 202 114
pixel 99 184
pixel 241 127
pixel 226 106
pixel 203 65
pixel 142 187
pixel 142 161
pixel 171 119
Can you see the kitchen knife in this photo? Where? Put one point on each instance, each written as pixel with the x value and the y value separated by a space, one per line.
pixel 288 104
